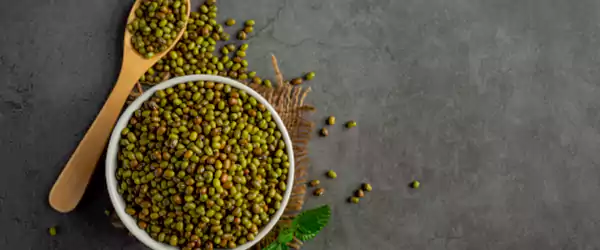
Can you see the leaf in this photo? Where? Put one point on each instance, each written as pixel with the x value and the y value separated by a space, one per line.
pixel 305 237
pixel 276 246
pixel 286 235
pixel 311 222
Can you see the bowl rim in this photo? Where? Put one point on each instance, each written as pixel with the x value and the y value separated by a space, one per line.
pixel 113 147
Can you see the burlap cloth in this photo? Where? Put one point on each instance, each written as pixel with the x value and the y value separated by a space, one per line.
pixel 288 101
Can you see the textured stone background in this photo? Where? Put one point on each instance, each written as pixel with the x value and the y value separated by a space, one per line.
pixel 492 104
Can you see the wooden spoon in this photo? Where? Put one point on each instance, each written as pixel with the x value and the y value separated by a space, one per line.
pixel 72 181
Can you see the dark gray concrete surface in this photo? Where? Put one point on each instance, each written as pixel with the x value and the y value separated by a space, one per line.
pixel 493 104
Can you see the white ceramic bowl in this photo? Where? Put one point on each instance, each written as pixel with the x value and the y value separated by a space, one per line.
pixel 113 148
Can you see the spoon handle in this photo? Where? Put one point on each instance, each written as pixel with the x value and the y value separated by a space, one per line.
pixel 72 181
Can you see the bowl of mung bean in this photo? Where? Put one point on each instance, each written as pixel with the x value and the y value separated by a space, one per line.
pixel 199 162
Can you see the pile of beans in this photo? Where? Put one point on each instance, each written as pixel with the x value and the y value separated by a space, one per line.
pixel 197 52
pixel 202 165
pixel 156 26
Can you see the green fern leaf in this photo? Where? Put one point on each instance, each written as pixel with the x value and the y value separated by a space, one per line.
pixel 311 222
pixel 305 237
pixel 286 235
pixel 276 246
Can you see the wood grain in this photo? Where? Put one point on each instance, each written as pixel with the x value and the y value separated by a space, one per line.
pixel 74 178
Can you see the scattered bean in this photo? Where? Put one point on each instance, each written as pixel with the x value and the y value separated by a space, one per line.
pixel 314 183
pixel 331 174
pixel 230 22
pixel 297 81
pixel 359 193
pixel 331 120
pixel 319 191
pixel 309 76
pixel 324 132
pixel 367 187
pixel 351 124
